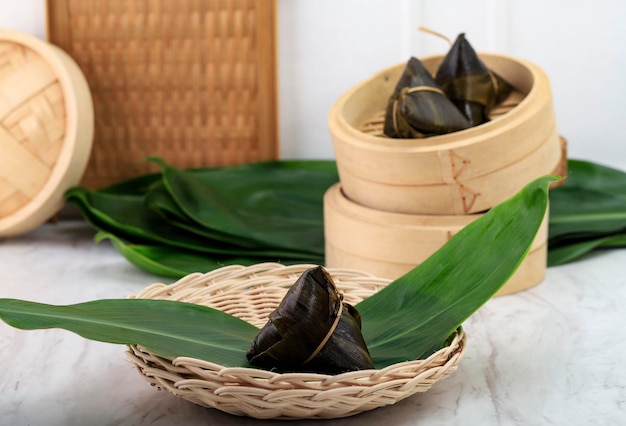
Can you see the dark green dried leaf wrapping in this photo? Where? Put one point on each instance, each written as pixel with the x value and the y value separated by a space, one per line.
pixel 294 337
pixel 469 84
pixel 418 108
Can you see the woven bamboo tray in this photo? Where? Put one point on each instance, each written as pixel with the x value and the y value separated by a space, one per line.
pixel 251 293
pixel 191 81
pixel 46 130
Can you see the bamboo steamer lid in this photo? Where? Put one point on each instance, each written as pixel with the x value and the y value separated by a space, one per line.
pixel 389 244
pixel 46 132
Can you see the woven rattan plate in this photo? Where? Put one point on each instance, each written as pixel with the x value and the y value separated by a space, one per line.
pixel 251 293
pixel 46 130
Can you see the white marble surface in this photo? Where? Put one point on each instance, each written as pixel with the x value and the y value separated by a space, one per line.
pixel 552 355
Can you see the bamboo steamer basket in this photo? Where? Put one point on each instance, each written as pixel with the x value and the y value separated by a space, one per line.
pixel 46 133
pixel 455 174
pixel 390 244
pixel 252 293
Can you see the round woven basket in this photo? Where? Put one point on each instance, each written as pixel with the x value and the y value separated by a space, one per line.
pixel 47 119
pixel 251 293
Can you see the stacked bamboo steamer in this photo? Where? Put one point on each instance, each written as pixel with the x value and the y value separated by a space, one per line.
pixel 47 129
pixel 399 200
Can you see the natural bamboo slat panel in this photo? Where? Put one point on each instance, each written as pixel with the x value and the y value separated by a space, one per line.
pixel 192 81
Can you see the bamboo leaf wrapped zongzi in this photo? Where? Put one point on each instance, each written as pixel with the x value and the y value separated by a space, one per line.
pixel 469 84
pixel 418 107
pixel 312 329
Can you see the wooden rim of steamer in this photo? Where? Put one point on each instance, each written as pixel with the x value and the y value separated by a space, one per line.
pixel 390 244
pixel 534 115
pixel 417 234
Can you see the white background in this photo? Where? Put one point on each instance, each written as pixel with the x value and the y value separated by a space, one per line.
pixel 326 46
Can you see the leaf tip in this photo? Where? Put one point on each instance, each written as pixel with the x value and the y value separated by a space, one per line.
pixel 161 163
pixel 101 236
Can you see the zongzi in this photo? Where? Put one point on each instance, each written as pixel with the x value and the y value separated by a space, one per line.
pixel 419 108
pixel 312 330
pixel 469 84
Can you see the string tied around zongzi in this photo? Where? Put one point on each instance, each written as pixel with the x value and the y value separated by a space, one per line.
pixel 435 33
pixel 407 91
pixel 418 106
pixel 331 330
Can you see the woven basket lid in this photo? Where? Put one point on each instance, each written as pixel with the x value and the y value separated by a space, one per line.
pixel 46 130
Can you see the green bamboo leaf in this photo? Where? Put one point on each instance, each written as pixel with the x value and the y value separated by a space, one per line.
pixel 140 211
pixel 166 327
pixel 417 312
pixel 273 206
pixel 591 201
pixel 570 252
pixel 618 240
pixel 575 210
pixel 159 200
pixel 128 218
pixel 173 262
pixel 137 185
pixel 577 248
pixel 588 175
pixel 152 258
pixel 587 212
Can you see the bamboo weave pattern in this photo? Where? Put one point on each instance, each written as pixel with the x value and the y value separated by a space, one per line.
pixel 191 81
pixel 32 125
